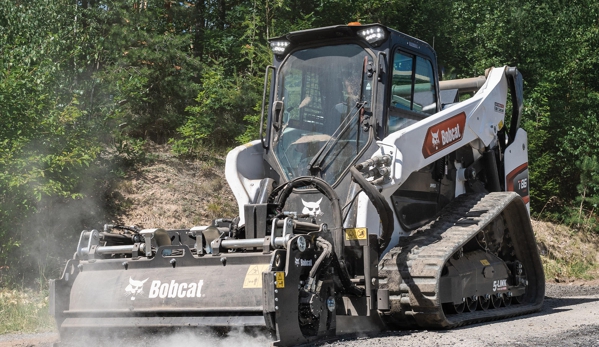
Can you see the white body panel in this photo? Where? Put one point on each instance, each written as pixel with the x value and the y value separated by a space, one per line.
pixel 484 113
pixel 516 167
pixel 243 171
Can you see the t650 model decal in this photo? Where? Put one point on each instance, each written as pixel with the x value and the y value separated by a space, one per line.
pixel 444 134
pixel 517 181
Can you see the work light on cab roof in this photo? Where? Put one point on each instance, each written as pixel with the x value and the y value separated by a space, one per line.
pixel 279 47
pixel 373 35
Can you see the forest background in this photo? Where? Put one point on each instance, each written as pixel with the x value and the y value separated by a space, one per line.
pixel 86 85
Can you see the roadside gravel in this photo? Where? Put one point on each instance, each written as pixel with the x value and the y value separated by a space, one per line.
pixel 569 317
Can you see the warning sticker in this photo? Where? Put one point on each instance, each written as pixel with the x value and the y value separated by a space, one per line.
pixel 356 234
pixel 280 279
pixel 253 277
pixel 485 262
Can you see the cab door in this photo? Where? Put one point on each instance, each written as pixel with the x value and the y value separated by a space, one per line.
pixel 413 97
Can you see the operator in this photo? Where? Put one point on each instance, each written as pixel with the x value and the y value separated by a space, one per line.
pixel 343 109
pixel 350 95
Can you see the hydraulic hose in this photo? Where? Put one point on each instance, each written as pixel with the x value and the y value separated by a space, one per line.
pixel 380 204
pixel 323 187
pixel 337 230
pixel 326 251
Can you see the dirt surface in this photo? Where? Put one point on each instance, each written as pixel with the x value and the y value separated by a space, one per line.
pixel 570 317
pixel 172 193
pixel 567 253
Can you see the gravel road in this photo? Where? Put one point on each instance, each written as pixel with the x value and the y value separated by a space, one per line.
pixel 570 317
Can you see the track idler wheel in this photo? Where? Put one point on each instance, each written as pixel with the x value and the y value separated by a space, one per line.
pixel 454 308
pixel 518 299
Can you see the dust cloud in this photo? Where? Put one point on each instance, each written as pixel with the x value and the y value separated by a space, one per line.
pixel 236 337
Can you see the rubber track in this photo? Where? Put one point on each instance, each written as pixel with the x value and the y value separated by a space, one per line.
pixel 411 271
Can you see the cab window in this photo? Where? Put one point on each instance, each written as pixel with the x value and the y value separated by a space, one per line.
pixel 412 89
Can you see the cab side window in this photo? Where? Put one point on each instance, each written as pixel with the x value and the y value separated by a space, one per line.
pixel 424 87
pixel 412 89
pixel 401 87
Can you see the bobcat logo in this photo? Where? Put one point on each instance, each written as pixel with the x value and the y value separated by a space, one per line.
pixel 135 287
pixel 435 139
pixel 312 208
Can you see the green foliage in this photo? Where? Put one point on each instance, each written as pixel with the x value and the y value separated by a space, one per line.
pixel 584 215
pixel 85 85
pixel 148 72
pixel 47 140
pixel 217 117
pixel 555 48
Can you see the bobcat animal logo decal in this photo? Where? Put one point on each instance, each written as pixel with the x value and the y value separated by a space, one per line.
pixel 312 208
pixel 444 134
pixel 135 287
pixel 435 139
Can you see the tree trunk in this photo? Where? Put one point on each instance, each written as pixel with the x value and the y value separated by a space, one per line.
pixel 200 26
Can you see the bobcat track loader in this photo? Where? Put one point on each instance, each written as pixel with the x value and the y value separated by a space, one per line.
pixel 372 200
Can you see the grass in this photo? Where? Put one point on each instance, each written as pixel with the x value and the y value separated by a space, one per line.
pixel 561 270
pixel 567 254
pixel 24 311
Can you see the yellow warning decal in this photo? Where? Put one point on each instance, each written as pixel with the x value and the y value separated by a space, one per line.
pixel 356 234
pixel 500 125
pixel 485 262
pixel 280 279
pixel 253 277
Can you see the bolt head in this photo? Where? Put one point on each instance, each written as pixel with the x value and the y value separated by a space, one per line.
pixel 302 244
pixel 331 303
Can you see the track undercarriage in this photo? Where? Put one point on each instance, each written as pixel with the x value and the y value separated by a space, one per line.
pixel 476 262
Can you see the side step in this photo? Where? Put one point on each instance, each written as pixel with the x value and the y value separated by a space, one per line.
pixel 411 272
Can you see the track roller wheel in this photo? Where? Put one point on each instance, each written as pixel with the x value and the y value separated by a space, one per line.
pixel 471 304
pixel 484 302
pixel 507 300
pixel 496 300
